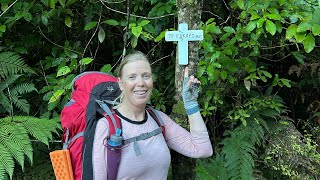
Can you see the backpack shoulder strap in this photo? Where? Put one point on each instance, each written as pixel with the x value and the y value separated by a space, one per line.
pixel 155 115
pixel 109 114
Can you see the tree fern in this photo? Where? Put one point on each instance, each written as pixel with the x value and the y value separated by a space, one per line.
pixel 23 88
pixel 239 156
pixel 8 81
pixel 15 142
pixel 8 89
pixel 12 63
pixel 6 160
pixel 212 168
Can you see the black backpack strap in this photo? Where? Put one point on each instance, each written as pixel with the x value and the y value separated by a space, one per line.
pixel 107 112
pixel 155 115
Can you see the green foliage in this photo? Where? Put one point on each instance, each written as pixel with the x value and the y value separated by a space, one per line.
pixel 204 168
pixel 239 147
pixel 11 63
pixel 16 133
pixel 291 153
pixel 10 91
pixel 246 50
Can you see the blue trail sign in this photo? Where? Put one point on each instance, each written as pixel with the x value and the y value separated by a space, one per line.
pixel 183 36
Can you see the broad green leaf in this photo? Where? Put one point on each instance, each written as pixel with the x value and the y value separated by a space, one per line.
pixel 106 68
pixel 251 26
pixel 315 29
pixel 286 82
pixel 44 19
pixel 229 29
pixel 52 3
pixel 160 37
pixel 85 61
pixel 213 29
pixel 293 19
pixel 3 28
pixel 149 28
pixel 143 23
pixel 225 36
pixel 309 43
pixel 67 21
pixel 316 15
pixel 62 2
pixel 136 30
pixel 90 25
pixel 282 2
pixel 215 56
pixel 299 57
pixel 271 27
pixel 70 2
pixel 101 34
pixel 291 31
pixel 111 22
pixel 134 41
pixel 254 16
pixel 63 71
pixel 260 22
pixel 240 3
pixel 56 95
pixel 273 16
pixel 210 21
pixel 300 37
pixel 266 73
pixel 302 27
pixel 316 114
pixel 223 74
pixel 153 1
pixel 279 27
pixel 27 16
pixel 207 46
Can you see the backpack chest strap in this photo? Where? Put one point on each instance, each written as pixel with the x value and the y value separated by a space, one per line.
pixel 142 136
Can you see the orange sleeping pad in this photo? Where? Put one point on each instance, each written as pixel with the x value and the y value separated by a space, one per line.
pixel 61 163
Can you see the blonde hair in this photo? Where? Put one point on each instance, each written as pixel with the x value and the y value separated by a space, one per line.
pixel 135 56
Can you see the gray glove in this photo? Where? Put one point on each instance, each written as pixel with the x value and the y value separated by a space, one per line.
pixel 190 92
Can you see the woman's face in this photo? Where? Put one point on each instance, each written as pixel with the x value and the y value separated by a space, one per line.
pixel 136 83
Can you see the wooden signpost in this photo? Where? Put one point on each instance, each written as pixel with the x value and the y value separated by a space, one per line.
pixel 183 36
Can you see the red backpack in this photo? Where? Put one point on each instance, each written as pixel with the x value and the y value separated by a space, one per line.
pixel 92 93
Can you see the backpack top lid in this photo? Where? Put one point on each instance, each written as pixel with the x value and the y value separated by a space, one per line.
pixel 87 83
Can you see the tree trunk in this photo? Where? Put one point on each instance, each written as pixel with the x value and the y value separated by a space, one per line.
pixel 189 11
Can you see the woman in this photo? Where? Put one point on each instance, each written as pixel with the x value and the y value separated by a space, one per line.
pixel 153 161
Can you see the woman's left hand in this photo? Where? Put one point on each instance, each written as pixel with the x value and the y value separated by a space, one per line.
pixel 190 92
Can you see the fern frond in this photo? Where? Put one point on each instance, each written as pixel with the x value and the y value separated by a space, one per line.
pixel 2 172
pixel 5 102
pixel 23 88
pixel 41 129
pixel 17 142
pixel 12 63
pixel 8 81
pixel 212 168
pixel 6 160
pixel 23 141
pixel 21 104
pixel 238 156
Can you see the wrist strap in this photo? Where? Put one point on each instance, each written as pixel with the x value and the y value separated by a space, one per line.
pixel 192 110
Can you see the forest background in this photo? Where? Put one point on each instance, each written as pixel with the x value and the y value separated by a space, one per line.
pixel 258 65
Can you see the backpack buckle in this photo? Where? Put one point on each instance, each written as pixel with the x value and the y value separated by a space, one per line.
pixel 144 136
